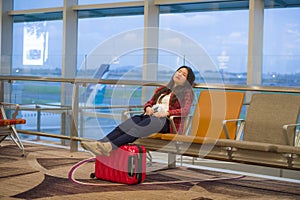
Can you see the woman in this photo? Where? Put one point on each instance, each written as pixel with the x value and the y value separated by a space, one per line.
pixel 173 99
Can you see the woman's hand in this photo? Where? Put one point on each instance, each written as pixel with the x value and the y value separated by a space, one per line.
pixel 161 114
pixel 149 111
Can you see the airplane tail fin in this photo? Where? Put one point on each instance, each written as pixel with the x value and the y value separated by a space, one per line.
pixel 94 94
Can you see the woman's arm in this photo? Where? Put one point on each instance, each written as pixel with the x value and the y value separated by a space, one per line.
pixel 152 101
pixel 183 110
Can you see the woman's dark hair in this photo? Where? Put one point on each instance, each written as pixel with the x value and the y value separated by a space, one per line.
pixel 179 90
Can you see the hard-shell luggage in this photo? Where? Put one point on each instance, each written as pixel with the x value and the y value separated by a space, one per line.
pixel 127 165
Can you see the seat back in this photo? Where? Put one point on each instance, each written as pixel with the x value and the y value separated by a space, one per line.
pixel 212 108
pixel 266 116
pixel 2 114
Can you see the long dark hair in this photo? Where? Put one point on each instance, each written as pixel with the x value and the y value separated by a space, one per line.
pixel 179 90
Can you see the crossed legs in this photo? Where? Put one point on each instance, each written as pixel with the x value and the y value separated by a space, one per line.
pixel 127 132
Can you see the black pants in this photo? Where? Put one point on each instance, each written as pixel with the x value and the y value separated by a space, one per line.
pixel 136 127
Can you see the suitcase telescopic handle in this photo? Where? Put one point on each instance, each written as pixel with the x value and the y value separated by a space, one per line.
pixel 131 166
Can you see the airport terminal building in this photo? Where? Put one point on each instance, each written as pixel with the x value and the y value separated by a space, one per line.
pixel 75 69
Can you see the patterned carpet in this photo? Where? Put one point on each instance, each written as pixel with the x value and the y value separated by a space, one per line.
pixel 43 174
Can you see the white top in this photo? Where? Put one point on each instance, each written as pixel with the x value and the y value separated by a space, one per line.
pixel 164 105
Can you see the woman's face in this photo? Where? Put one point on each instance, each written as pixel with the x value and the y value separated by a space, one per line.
pixel 180 76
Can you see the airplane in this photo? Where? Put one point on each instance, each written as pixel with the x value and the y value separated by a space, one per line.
pixel 94 94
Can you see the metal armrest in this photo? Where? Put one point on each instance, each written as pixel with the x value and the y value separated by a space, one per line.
pixel 130 112
pixel 127 112
pixel 240 130
pixel 16 111
pixel 171 118
pixel 286 131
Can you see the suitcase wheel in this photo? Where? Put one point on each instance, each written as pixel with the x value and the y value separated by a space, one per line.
pixel 92 175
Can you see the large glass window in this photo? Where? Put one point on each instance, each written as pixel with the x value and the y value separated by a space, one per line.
pixel 222 34
pixel 95 33
pixel 106 50
pixel 107 42
pixel 37 51
pixel 281 56
pixel 37 48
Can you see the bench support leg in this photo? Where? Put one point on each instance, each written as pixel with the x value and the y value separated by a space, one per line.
pixel 171 160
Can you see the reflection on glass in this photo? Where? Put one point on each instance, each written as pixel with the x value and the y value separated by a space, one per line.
pixel 37 48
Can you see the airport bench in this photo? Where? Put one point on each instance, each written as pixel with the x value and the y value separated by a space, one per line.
pixel 266 137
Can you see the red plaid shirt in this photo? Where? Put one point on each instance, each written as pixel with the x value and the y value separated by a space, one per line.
pixel 176 109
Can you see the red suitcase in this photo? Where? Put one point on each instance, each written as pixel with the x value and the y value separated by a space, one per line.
pixel 127 164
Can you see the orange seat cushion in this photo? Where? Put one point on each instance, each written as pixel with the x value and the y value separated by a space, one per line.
pixel 5 122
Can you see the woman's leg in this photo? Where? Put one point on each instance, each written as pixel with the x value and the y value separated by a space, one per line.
pixel 122 128
pixel 98 148
pixel 134 130
pixel 127 132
